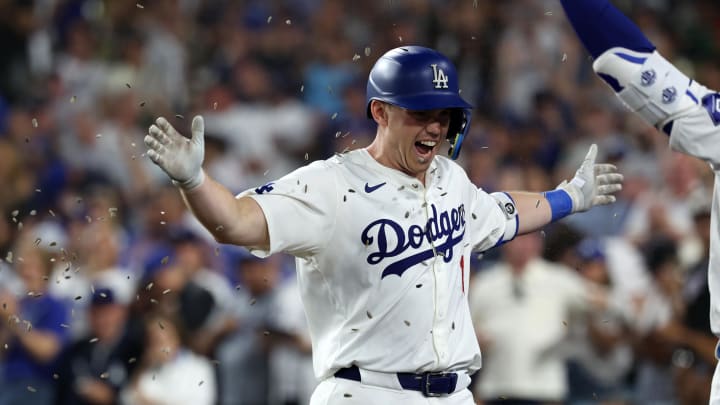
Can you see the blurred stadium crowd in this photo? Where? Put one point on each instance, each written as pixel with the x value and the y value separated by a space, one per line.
pixel 112 293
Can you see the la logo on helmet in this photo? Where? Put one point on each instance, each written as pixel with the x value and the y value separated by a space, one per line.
pixel 440 79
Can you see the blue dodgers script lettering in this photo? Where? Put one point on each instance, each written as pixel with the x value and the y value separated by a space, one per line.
pixel 390 239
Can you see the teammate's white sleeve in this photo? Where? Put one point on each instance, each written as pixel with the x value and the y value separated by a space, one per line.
pixel 300 210
pixel 697 133
pixel 665 97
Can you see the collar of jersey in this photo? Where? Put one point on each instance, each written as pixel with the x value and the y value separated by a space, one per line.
pixel 395 176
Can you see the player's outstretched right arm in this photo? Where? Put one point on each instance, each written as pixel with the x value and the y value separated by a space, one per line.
pixel 238 221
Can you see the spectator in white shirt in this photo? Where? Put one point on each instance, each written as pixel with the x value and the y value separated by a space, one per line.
pixel 521 308
pixel 169 373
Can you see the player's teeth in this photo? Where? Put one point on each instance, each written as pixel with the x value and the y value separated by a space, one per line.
pixel 429 143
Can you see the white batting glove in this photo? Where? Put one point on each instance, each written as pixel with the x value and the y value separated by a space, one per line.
pixel 593 184
pixel 180 157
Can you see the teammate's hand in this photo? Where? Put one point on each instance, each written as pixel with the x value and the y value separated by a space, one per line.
pixel 181 158
pixel 593 184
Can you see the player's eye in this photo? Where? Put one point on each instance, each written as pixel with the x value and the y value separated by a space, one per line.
pixel 421 116
pixel 443 116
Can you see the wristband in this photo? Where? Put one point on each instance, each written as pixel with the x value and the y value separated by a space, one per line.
pixel 560 203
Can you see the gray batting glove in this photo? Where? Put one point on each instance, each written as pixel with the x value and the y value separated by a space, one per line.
pixel 181 158
pixel 593 184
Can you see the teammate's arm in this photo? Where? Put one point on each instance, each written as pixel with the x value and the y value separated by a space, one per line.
pixel 593 184
pixel 647 83
pixel 238 221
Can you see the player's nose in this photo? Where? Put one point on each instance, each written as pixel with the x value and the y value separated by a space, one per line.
pixel 435 128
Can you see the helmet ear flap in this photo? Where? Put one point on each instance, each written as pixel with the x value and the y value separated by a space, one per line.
pixel 459 124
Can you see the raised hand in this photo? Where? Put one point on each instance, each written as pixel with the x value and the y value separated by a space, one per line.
pixel 180 157
pixel 593 184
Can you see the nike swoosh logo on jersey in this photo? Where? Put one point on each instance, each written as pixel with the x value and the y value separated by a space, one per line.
pixel 370 189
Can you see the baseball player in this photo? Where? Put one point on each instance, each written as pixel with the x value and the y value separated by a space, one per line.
pixel 649 85
pixel 383 235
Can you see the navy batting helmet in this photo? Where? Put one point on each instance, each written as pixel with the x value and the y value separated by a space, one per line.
pixel 419 79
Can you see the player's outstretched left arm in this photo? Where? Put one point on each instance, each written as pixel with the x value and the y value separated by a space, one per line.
pixel 593 184
pixel 238 221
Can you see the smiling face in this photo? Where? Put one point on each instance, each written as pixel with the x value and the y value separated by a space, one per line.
pixel 408 140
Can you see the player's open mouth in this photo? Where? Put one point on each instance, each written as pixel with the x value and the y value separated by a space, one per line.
pixel 425 148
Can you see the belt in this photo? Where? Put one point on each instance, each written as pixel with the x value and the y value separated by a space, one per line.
pixel 431 384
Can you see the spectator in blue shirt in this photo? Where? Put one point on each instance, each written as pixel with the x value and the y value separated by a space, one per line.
pixel 32 332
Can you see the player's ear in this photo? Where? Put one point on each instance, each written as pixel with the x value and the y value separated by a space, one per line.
pixel 378 110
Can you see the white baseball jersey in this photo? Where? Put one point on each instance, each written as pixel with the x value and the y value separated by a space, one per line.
pixel 697 133
pixel 383 260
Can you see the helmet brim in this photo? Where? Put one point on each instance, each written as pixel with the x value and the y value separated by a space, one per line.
pixel 424 101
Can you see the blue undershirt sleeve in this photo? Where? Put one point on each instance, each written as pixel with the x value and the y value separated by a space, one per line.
pixel 600 26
